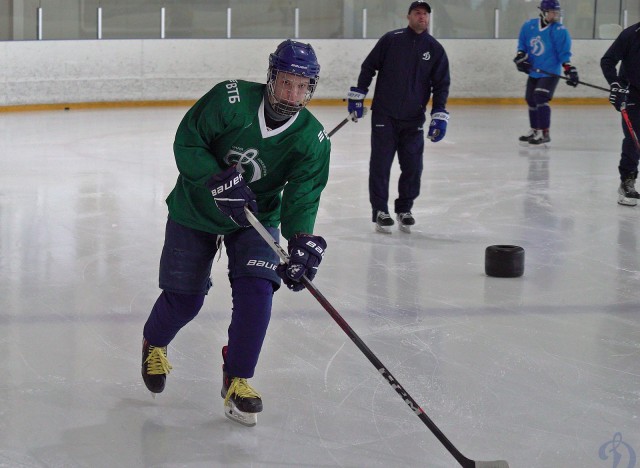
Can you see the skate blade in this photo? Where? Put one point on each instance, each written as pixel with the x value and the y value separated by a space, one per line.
pixel 233 413
pixel 627 201
pixel 405 228
pixel 383 229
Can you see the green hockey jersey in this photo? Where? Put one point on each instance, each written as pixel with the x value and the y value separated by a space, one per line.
pixel 287 168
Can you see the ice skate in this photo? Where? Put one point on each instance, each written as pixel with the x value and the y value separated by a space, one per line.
pixel 383 222
pixel 540 138
pixel 241 402
pixel 405 221
pixel 627 194
pixel 155 367
pixel 524 139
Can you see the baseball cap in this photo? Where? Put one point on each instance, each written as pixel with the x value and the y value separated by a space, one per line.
pixel 415 5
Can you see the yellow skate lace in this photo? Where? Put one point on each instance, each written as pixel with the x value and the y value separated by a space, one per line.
pixel 157 362
pixel 241 388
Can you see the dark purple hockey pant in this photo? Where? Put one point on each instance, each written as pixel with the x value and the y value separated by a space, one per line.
pixel 538 94
pixel 185 268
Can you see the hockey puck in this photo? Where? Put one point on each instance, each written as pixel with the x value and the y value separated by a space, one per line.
pixel 504 261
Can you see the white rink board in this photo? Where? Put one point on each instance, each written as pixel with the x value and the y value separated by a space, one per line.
pixel 45 72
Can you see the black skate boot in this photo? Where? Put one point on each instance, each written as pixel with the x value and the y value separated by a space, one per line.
pixel 383 222
pixel 155 367
pixel 241 402
pixel 405 221
pixel 540 137
pixel 627 194
pixel 524 139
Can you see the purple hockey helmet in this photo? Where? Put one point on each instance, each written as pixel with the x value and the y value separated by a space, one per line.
pixel 549 5
pixel 295 58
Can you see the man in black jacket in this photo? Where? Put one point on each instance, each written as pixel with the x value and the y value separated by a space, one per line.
pixel 625 97
pixel 412 66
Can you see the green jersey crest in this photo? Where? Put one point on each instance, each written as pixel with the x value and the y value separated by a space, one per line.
pixel 287 168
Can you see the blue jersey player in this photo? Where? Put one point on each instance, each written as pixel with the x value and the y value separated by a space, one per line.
pixel 544 45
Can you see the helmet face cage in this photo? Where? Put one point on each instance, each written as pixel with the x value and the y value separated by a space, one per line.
pixel 294 58
pixel 278 103
pixel 550 6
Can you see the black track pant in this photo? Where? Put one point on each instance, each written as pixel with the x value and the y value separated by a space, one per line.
pixel 388 136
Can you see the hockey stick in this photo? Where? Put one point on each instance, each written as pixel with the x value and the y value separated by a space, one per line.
pixel 627 121
pixel 623 107
pixel 567 79
pixel 284 257
pixel 338 127
pixel 344 122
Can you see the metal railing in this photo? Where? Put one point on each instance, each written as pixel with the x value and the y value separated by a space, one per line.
pixel 348 19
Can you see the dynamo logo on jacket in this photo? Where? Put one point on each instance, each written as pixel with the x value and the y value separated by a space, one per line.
pixel 249 165
pixel 537 46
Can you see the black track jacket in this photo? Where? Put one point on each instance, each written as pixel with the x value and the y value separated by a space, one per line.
pixel 410 67
pixel 625 49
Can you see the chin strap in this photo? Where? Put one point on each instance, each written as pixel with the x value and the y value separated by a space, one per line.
pixel 543 21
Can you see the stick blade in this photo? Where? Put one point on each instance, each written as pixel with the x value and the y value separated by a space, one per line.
pixel 492 464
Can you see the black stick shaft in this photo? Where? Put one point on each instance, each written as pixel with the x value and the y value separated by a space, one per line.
pixel 567 79
pixel 391 380
pixel 284 256
pixel 338 127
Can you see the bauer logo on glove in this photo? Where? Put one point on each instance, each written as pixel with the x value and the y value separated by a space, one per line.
pixel 305 254
pixel 231 193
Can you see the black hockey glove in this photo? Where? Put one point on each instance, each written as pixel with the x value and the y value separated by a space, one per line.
pixel 231 194
pixel 618 95
pixel 571 73
pixel 305 254
pixel 521 62
pixel 355 105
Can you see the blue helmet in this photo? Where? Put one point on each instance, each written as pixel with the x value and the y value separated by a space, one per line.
pixel 549 5
pixel 295 58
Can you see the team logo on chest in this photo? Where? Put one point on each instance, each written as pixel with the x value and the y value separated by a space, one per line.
pixel 426 56
pixel 248 163
pixel 537 46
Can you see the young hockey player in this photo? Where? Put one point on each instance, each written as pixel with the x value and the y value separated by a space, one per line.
pixel 544 44
pixel 411 66
pixel 625 93
pixel 250 144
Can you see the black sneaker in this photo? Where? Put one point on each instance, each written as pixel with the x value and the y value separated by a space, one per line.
pixel 627 194
pixel 405 221
pixel 525 138
pixel 384 222
pixel 241 401
pixel 155 366
pixel 540 137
